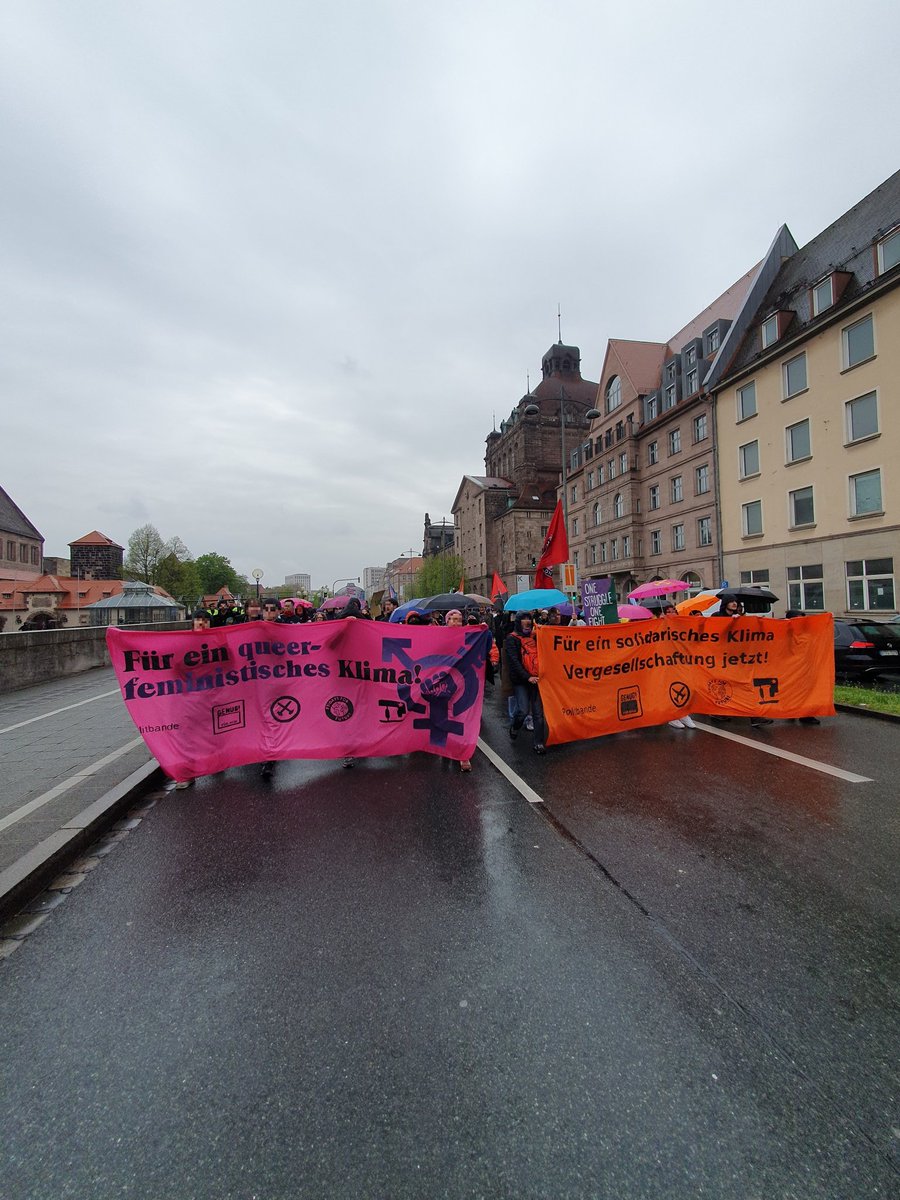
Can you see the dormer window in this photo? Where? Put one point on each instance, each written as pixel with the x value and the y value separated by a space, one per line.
pixel 712 341
pixel 670 371
pixel 770 330
pixel 889 251
pixel 690 355
pixel 613 393
pixel 823 296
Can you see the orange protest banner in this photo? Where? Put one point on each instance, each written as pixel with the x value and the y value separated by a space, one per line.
pixel 604 679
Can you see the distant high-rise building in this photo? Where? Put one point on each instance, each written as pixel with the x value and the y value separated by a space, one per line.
pixel 299 582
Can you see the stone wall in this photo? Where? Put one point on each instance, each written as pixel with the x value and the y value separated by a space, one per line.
pixel 29 658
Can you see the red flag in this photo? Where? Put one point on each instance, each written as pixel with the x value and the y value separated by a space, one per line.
pixel 555 549
pixel 462 584
pixel 499 590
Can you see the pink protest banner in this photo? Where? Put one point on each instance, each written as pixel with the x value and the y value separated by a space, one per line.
pixel 251 693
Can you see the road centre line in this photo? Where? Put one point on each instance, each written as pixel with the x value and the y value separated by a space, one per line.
pixel 506 770
pixel 56 711
pixel 847 776
pixel 66 784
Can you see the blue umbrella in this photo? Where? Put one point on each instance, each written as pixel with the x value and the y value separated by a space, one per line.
pixel 400 612
pixel 536 598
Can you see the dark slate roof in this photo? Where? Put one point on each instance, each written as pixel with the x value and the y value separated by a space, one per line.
pixel 846 245
pixel 14 521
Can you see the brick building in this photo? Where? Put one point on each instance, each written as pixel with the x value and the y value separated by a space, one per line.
pixel 95 556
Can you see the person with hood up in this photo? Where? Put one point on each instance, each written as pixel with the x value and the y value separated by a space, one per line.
pixel 520 647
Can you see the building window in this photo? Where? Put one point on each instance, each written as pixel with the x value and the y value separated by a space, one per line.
pixel 574 493
pixel 751 518
pixel 676 486
pixel 623 464
pixel 653 453
pixel 34 556
pixel 701 426
pixel 596 511
pixel 889 252
pixel 655 541
pixel 614 548
pixel 862 417
pixel 761 576
pixel 746 401
pixel 858 342
pixel 593 553
pixel 23 552
pixel 674 441
pixel 802 507
pixel 670 396
pixel 652 403
pixel 611 469
pixel 626 546
pixel 603 551
pixel 677 537
pixel 701 480
pixel 690 355
pixel 823 296
pixel 769 330
pixel 618 505
pixel 613 393
pixel 575 559
pixel 806 589
pixel 574 527
pixel 865 493
pixel 11 551
pixel 704 531
pixel 600 475
pixel 870 585
pixel 748 459
pixel 797 441
pixel 591 477
pixel 654 496
pixel 690 383
pixel 794 376
pixel 712 341
pixel 670 371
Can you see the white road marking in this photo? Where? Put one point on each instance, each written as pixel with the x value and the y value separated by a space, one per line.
pixel 66 784
pixel 44 716
pixel 848 776
pixel 506 770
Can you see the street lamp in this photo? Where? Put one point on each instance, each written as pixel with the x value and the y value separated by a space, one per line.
pixel 532 410
pixel 257 575
pixel 349 579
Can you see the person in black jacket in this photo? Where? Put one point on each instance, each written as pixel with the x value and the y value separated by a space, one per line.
pixel 520 648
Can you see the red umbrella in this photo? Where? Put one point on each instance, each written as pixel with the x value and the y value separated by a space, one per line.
pixel 659 587
pixel 299 600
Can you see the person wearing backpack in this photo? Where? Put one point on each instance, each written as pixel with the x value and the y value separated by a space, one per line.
pixel 520 648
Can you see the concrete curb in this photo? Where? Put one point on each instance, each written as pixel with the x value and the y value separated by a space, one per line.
pixel 33 871
pixel 867 712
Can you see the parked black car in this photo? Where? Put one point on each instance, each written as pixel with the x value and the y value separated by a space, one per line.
pixel 863 650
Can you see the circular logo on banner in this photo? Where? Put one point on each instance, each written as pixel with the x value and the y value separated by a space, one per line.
pixel 339 708
pixel 720 690
pixel 679 694
pixel 284 709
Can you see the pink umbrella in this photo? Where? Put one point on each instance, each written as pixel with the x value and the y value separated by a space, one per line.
pixel 659 587
pixel 339 601
pixel 634 612
pixel 303 603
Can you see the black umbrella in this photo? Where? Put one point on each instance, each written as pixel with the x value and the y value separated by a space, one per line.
pixel 448 600
pixel 754 599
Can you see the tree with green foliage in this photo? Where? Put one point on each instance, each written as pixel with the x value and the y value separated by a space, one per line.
pixel 146 550
pixel 180 579
pixel 438 573
pixel 215 571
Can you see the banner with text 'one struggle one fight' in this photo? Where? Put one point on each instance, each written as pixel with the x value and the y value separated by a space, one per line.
pixel 262 691
pixel 608 678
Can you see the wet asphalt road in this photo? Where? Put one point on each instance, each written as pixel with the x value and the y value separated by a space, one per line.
pixel 399 981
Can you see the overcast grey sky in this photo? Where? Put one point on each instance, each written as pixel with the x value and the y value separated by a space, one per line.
pixel 269 268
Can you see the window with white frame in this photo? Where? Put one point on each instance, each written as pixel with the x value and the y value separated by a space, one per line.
pixel 591 477
pixel 613 393
pixel 746 401
pixel 614 548
pixel 596 512
pixel 865 493
pixel 704 531
pixel 619 505
pixel 656 541
pixel 575 558
pixel 760 576
pixel 870 585
pixel 690 355
pixel 889 252
pixel 603 551
pixel 652 407
pixel 701 480
pixel 593 553
pixel 676 488
pixel 794 375
pixel 806 588
pixel 653 453
pixel 748 459
pixel 654 496
pixel 802 507
pixel 751 518
pixel 670 395
pixel 712 341
pixel 862 417
pixel 574 527
pixel 677 537
pixel 670 371
pixel 626 546
pixel 623 464
pixel 574 493
pixel 691 382
pixel 674 441
pixel 858 342
pixel 600 475
pixel 769 330
pixel 797 441
pixel 823 295
pixel 701 427
pixel 611 469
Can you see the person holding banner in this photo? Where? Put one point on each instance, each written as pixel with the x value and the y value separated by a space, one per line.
pixel 521 651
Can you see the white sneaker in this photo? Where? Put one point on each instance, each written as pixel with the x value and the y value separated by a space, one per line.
pixel 689 722
pixel 185 783
pixel 529 723
pixel 677 724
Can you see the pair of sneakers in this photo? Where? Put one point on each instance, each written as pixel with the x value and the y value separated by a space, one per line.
pixel 683 723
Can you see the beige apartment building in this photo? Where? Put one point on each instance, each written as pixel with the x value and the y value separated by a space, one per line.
pixel 807 416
